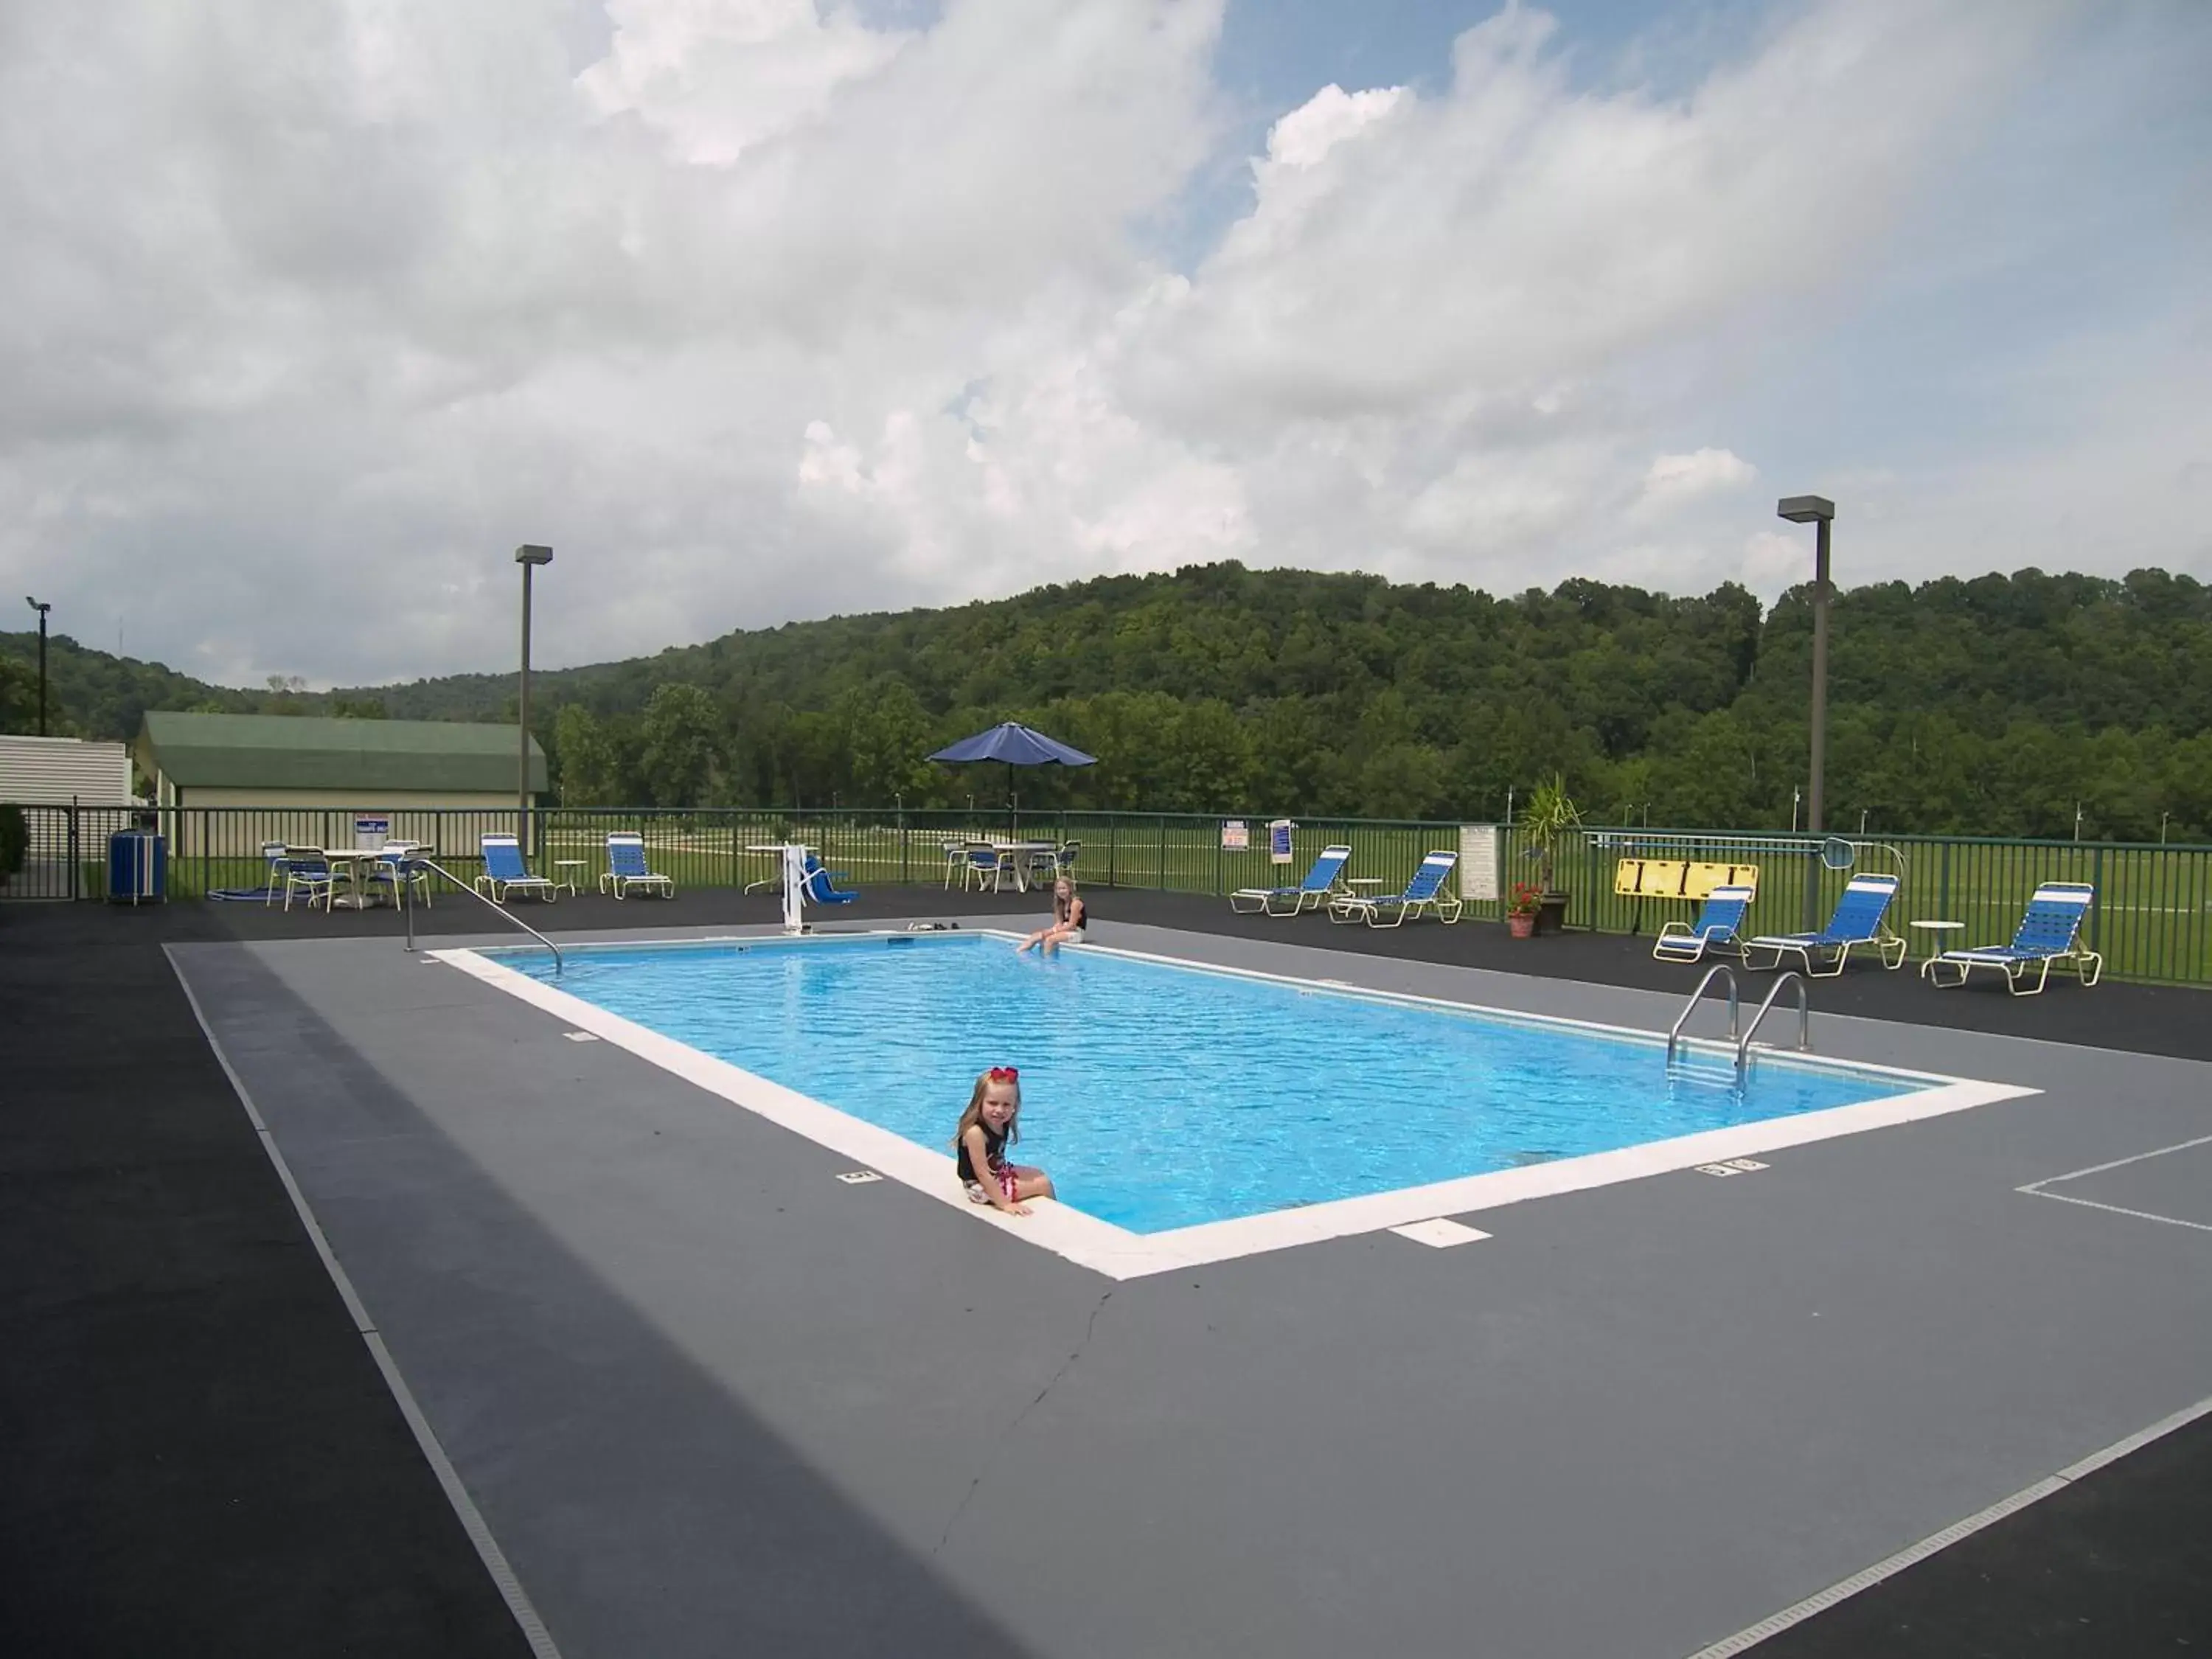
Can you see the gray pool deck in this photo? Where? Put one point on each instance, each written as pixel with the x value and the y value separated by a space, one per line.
pixel 705 1399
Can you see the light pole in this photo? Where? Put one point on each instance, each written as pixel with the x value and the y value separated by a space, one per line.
pixel 41 610
pixel 528 557
pixel 1819 512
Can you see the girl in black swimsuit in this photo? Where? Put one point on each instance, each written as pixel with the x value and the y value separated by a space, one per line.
pixel 987 1128
pixel 1069 918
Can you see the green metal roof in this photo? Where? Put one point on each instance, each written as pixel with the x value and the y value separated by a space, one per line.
pixel 286 751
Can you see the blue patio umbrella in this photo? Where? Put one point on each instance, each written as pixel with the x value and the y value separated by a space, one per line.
pixel 1017 745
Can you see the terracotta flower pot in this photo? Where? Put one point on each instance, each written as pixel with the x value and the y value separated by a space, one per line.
pixel 1521 927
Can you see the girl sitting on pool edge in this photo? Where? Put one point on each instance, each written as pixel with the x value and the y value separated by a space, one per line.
pixel 1069 916
pixel 987 1128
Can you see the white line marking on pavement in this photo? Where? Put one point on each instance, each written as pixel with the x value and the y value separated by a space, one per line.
pixel 1751 1635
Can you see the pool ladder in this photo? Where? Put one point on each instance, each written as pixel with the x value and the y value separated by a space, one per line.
pixel 407 902
pixel 1738 1034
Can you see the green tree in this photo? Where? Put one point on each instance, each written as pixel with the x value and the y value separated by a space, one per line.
pixel 682 734
pixel 585 761
pixel 19 697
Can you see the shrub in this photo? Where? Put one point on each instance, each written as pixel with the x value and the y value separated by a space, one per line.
pixel 14 837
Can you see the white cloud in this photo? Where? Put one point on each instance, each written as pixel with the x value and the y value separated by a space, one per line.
pixel 1700 473
pixel 765 311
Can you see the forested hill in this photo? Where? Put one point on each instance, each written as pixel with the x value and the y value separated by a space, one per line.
pixel 1994 705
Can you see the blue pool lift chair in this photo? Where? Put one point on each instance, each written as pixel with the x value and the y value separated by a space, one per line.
pixel 627 868
pixel 1426 892
pixel 818 889
pixel 2049 932
pixel 1718 928
pixel 1861 917
pixel 505 873
pixel 1315 890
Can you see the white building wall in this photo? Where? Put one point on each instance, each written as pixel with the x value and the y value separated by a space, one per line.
pixel 53 771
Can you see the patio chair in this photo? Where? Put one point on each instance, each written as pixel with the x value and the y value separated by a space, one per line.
pixel 1426 892
pixel 2050 932
pixel 818 889
pixel 308 870
pixel 505 873
pixel 273 854
pixel 1861 918
pixel 399 868
pixel 626 867
pixel 1719 927
pixel 955 862
pixel 1308 895
pixel 983 865
pixel 1064 863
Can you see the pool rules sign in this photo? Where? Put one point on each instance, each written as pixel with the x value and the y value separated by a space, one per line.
pixel 1478 861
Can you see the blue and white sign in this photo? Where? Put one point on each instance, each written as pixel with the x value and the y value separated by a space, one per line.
pixel 372 829
pixel 1279 840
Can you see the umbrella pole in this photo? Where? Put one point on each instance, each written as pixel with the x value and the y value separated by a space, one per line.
pixel 1013 806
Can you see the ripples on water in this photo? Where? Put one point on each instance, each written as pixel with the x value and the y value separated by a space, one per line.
pixel 1159 1097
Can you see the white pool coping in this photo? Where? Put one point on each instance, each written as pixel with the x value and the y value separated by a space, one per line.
pixel 1119 1254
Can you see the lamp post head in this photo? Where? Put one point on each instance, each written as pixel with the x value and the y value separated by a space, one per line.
pixel 35 605
pixel 527 554
pixel 1806 509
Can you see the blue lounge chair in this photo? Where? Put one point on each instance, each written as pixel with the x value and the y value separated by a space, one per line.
pixel 504 871
pixel 626 867
pixel 818 889
pixel 1426 892
pixel 1719 927
pixel 1308 895
pixel 2049 932
pixel 1861 918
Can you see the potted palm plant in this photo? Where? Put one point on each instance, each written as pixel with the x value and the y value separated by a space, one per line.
pixel 1551 818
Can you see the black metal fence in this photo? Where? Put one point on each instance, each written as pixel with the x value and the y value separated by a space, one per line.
pixel 2153 917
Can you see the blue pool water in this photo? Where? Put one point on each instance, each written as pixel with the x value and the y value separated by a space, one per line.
pixel 1160 1096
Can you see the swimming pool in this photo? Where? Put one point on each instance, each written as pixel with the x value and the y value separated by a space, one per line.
pixel 1164 1097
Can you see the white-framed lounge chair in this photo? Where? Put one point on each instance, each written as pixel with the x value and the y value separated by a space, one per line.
pixel 1719 927
pixel 504 872
pixel 1426 892
pixel 1861 917
pixel 1310 894
pixel 626 867
pixel 2050 932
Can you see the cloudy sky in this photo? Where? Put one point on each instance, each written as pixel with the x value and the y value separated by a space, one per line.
pixel 767 309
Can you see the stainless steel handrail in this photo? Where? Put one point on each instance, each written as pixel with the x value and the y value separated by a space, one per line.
pixel 1723 970
pixel 1804 1020
pixel 559 965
